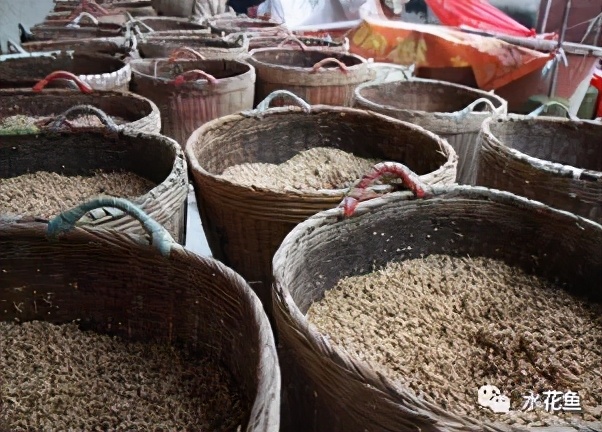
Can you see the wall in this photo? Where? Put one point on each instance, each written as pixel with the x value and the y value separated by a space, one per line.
pixel 26 12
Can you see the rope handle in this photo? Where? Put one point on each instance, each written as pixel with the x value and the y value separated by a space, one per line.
pixel 265 104
pixel 185 53
pixel 471 107
pixel 294 39
pixel 544 108
pixel 83 87
pixel 360 191
pixel 66 221
pixel 84 109
pixel 76 21
pixel 137 23
pixel 193 75
pixel 322 62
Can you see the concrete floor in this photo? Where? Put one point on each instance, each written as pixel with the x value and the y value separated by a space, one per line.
pixel 195 235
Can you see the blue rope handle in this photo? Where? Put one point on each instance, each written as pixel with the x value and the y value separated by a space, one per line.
pixel 66 221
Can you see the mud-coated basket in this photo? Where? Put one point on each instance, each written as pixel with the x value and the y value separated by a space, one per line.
pixel 549 159
pixel 99 71
pixel 208 46
pixel 319 76
pixel 190 93
pixel 116 46
pixel 81 152
pixel 452 111
pixel 159 293
pixel 245 225
pixel 325 388
pixel 136 112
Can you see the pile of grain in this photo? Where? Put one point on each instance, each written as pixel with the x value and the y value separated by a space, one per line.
pixel 444 326
pixel 30 124
pixel 56 377
pixel 313 169
pixel 45 194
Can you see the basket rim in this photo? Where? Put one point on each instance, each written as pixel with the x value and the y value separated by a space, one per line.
pixel 360 67
pixel 364 101
pixel 286 309
pixel 195 165
pixel 554 168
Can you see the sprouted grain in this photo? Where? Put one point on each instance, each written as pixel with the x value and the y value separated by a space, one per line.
pixel 44 194
pixel 444 326
pixel 57 377
pixel 313 169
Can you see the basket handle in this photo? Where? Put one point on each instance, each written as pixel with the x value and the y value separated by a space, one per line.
pixel 181 53
pixel 84 109
pixel 544 108
pixel 83 87
pixel 66 221
pixel 265 104
pixel 76 21
pixel 327 60
pixel 193 75
pixel 90 6
pixel 360 191
pixel 295 40
pixel 471 107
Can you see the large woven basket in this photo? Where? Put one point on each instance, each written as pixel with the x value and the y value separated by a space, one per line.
pixel 329 389
pixel 99 71
pixel 553 160
pixel 317 75
pixel 452 111
pixel 138 113
pixel 208 46
pixel 245 225
pixel 80 152
pixel 190 93
pixel 156 294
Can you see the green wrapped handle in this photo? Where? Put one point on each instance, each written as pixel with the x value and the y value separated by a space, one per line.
pixel 66 221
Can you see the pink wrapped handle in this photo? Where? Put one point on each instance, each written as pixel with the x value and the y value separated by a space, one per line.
pixel 361 192
pixel 185 53
pixel 325 61
pixel 193 75
pixel 84 88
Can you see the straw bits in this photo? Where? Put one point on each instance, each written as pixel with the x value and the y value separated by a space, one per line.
pixel 444 326
pixel 313 169
pixel 45 194
pixel 57 377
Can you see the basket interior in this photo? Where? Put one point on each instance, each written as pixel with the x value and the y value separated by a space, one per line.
pixel 55 102
pixel 161 68
pixel 29 71
pixel 421 96
pixel 303 59
pixel 84 45
pixel 81 153
pixel 243 24
pixel 560 141
pixel 278 137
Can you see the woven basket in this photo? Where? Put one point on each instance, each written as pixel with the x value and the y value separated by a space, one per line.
pixel 245 225
pixel 168 26
pixel 139 114
pixel 553 160
pixel 332 390
pixel 190 93
pixel 452 111
pixel 59 29
pixel 82 151
pixel 99 71
pixel 209 46
pixel 156 294
pixel 116 47
pixel 226 26
pixel 316 75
